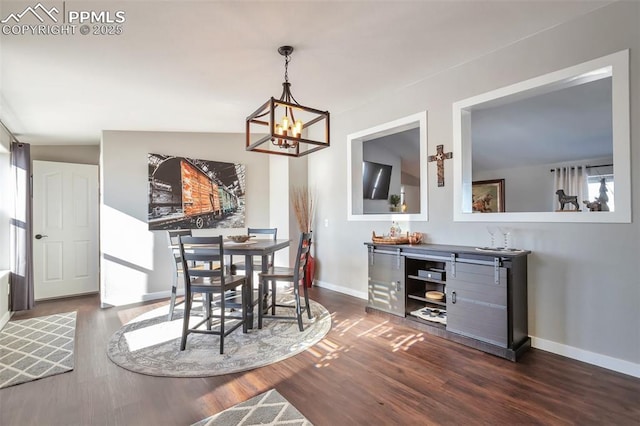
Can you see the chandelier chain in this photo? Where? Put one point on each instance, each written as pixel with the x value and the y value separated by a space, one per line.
pixel 287 58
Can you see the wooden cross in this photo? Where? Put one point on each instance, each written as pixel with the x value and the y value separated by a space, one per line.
pixel 440 157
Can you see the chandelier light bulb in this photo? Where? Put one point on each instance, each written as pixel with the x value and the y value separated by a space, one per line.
pixel 297 129
pixel 285 124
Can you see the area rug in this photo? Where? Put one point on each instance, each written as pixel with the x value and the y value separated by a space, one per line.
pixel 34 348
pixel 269 408
pixel 150 344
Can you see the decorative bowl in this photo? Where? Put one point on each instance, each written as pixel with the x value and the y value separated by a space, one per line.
pixel 434 295
pixel 239 238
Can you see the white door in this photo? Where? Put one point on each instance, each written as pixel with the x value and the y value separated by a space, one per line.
pixel 65 229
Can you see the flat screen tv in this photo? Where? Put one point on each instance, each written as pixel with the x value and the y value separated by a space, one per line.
pixel 376 178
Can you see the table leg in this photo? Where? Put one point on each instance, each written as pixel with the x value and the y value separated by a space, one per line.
pixel 265 290
pixel 206 299
pixel 248 261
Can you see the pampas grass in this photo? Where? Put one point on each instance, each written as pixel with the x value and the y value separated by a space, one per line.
pixel 304 207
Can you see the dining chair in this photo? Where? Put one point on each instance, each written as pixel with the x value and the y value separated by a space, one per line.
pixel 174 245
pixel 257 264
pixel 211 282
pixel 295 275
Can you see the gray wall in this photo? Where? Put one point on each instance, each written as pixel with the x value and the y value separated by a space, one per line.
pixel 135 262
pixel 584 279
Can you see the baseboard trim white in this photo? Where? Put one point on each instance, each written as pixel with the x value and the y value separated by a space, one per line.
pixel 5 319
pixel 146 297
pixel 604 361
pixel 341 289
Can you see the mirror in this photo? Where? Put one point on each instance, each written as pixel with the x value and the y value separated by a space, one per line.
pixel 551 149
pixel 387 171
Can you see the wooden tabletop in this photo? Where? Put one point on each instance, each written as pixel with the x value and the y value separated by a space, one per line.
pixel 255 247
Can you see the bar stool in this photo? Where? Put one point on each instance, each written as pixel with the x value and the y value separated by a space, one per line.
pixel 295 275
pixel 174 245
pixel 211 282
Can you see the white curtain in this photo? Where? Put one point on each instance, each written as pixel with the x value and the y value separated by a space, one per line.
pixel 573 181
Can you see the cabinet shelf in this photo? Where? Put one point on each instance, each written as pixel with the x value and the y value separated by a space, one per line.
pixel 428 280
pixel 424 299
pixel 427 322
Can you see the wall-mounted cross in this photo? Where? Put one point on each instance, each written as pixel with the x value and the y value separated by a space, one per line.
pixel 440 157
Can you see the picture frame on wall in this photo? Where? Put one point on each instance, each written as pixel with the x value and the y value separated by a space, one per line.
pixel 189 193
pixel 488 196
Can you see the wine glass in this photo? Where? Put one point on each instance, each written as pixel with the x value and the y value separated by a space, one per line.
pixel 492 231
pixel 505 234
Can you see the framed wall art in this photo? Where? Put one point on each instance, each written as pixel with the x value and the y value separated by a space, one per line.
pixel 488 196
pixel 187 193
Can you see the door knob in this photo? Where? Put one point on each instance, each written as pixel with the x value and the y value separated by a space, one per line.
pixel 40 236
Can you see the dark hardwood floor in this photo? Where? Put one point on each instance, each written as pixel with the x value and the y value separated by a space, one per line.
pixel 367 371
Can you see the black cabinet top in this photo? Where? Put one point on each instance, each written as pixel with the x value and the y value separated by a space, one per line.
pixel 444 249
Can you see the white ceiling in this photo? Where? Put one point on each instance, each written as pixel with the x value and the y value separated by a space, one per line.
pixel 203 66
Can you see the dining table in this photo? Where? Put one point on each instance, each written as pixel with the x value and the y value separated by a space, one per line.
pixel 250 249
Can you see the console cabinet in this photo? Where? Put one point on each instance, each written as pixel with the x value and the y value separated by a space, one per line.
pixel 477 298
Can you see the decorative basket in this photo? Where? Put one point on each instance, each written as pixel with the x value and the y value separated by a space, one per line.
pixel 434 295
pixel 404 239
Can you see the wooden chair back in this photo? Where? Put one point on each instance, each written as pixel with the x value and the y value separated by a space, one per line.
pixel 304 249
pixel 202 250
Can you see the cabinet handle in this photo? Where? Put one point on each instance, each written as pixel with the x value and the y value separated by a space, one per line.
pixel 453 264
pixel 453 297
pixel 397 285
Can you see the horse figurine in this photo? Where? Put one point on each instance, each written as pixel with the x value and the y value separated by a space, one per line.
pixel 567 199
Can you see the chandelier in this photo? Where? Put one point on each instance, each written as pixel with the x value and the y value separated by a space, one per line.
pixel 290 135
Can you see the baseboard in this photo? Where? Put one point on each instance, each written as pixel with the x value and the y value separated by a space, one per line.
pixel 146 297
pixel 340 289
pixel 5 319
pixel 604 361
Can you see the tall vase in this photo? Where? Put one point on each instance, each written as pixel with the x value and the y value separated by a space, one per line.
pixel 310 272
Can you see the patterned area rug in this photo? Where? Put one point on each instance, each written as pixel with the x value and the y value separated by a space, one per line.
pixel 269 408
pixel 150 344
pixel 34 348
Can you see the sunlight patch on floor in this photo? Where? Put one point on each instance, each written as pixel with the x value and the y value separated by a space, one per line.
pixel 326 351
pixel 404 342
pixel 346 325
pixel 153 335
pixel 378 330
pixel 163 332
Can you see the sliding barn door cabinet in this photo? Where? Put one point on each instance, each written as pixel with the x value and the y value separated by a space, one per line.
pixel 475 297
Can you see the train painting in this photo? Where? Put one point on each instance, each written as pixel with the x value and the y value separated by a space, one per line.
pixel 186 193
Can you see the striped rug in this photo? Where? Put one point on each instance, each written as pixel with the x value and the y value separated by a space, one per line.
pixel 34 348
